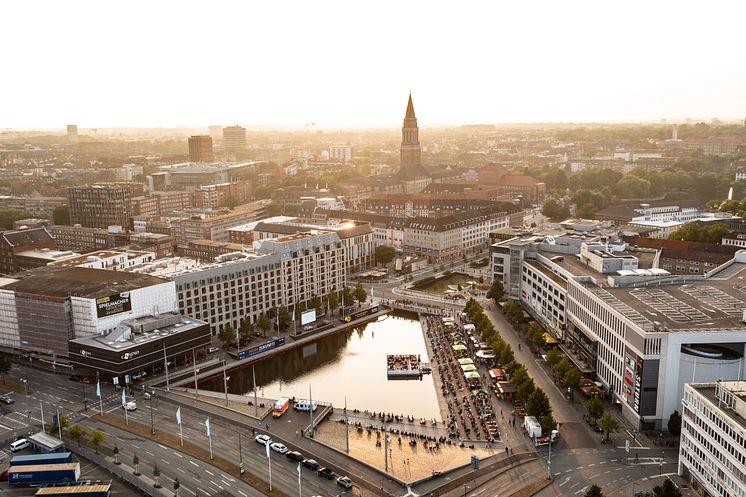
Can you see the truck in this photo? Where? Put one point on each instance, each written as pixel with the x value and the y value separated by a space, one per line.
pixel 87 490
pixel 34 459
pixel 43 473
pixel 280 407
pixel 532 427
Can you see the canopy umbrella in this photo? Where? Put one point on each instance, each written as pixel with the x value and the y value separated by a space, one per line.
pixel 459 346
pixel 480 392
pixel 459 342
pixel 468 367
pixel 456 335
pixel 471 375
pixel 465 360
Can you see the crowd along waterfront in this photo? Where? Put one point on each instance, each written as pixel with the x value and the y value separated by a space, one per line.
pixel 350 365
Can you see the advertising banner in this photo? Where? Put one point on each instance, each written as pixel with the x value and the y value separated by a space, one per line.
pixel 113 304
pixel 308 317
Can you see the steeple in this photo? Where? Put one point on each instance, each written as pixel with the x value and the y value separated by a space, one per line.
pixel 410 109
pixel 410 142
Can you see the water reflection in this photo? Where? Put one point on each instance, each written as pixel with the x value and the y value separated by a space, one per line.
pixel 351 364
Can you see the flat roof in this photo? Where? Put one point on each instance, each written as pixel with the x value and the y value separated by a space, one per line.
pixel 683 304
pixel 61 281
pixel 106 342
pixel 708 392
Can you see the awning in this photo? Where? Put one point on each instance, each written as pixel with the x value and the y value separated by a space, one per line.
pixel 485 354
pixel 506 387
pixel 468 367
pixel 465 360
pixel 497 373
pixel 459 346
pixel 471 375
pixel 549 339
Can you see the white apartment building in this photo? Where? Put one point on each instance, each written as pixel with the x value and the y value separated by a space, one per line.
pixel 341 152
pixel 712 453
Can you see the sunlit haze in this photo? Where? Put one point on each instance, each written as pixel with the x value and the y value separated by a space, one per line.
pixel 351 64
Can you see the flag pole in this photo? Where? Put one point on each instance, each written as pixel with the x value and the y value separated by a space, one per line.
pixel 269 465
pixel 347 429
pixel 181 434
pixel 209 435
pixel 256 406
pixel 59 425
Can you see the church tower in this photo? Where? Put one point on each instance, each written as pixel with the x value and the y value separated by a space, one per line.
pixel 410 143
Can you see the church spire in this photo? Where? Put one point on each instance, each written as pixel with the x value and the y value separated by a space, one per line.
pixel 410 109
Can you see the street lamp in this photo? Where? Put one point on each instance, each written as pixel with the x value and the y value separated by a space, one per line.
pixel 225 384
pixel 152 425
pixel 660 468
pixel 25 385
pixel 196 370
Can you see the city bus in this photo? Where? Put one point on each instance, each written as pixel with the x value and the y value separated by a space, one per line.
pixel 280 407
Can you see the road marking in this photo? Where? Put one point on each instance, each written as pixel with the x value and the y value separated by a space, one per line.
pixel 568 471
pixel 594 476
pixel 607 472
pixel 602 462
pixel 226 477
pixel 557 474
pixel 162 447
pixel 6 427
pixel 244 495
pixel 209 472
pixel 579 467
pixel 135 446
pixel 181 470
pixel 177 454
pixel 226 483
pixel 591 465
pixel 150 453
pixel 165 461
pixel 194 463
pixel 566 480
pixel 578 483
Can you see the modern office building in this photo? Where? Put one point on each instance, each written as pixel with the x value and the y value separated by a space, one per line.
pixel 712 452
pixel 208 227
pixel 340 152
pixel 234 138
pixel 638 329
pixel 189 176
pixel 45 309
pixel 200 148
pixel 283 272
pixel 102 205
pixel 72 133
pixel 223 195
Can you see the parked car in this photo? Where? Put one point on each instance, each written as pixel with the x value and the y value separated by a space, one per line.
pixel 326 473
pixel 74 378
pixel 88 380
pixel 311 464
pixel 294 455
pixel 130 406
pixel 278 447
pixel 212 350
pixel 263 439
pixel 344 482
pixel 6 400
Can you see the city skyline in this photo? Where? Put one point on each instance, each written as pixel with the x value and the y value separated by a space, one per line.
pixel 257 65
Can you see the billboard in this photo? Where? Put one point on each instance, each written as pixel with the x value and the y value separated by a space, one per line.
pixel 262 347
pixel 308 317
pixel 113 304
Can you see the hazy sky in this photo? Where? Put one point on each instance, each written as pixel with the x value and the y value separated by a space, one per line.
pixel 351 63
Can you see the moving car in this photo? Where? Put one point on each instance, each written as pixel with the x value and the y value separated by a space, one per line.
pixel 294 455
pixel 88 380
pixel 212 350
pixel 278 447
pixel 129 406
pixel 326 473
pixel 263 439
pixel 311 464
pixel 344 482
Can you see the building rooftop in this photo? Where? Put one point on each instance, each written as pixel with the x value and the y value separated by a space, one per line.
pixel 714 302
pixel 60 281
pixel 251 226
pixel 709 392
pixel 48 255
pixel 157 327
pixel 27 237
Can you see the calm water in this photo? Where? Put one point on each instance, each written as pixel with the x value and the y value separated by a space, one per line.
pixel 351 364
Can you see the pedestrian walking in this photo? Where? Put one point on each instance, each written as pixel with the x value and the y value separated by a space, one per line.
pixel 252 431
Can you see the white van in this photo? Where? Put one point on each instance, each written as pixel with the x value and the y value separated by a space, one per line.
pixel 19 445
pixel 130 406
pixel 305 405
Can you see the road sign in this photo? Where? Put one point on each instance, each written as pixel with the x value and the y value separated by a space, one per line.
pixel 475 462
pixel 626 445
